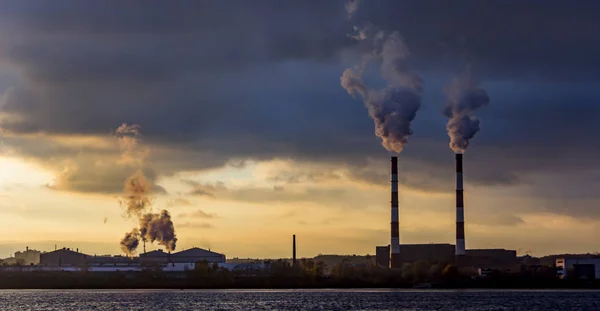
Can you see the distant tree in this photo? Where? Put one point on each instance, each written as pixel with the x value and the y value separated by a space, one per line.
pixel 435 271
pixel 343 270
pixel 450 272
pixel 202 268
pixel 407 271
pixel 420 271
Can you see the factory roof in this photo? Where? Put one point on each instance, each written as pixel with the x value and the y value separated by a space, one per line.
pixel 196 252
pixel 64 250
pixel 155 253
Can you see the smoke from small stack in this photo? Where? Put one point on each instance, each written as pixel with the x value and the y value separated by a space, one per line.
pixel 464 97
pixel 158 228
pixel 394 106
pixel 130 242
pixel 153 227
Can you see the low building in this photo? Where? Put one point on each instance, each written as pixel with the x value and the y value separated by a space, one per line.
pixel 191 255
pixel 432 253
pixel 28 257
pixel 63 257
pixel 197 254
pixel 382 256
pixel 410 253
pixel 579 267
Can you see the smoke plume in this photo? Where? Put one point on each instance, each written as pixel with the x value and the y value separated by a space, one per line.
pixel 136 196
pixel 159 228
pixel 394 106
pixel 464 97
pixel 351 7
pixel 130 242
pixel 129 137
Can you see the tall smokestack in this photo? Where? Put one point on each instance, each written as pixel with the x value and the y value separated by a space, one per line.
pixel 395 241
pixel 294 250
pixel 460 212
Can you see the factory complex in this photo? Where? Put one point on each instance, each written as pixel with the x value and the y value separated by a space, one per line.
pixel 396 254
pixel 66 259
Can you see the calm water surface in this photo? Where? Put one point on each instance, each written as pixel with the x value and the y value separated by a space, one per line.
pixel 363 300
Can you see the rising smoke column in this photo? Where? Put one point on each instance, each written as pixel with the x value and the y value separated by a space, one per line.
pixel 130 242
pixel 394 106
pixel 464 97
pixel 136 197
pixel 159 228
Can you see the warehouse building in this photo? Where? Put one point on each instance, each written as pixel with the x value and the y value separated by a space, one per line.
pixel 63 257
pixel 191 255
pixel 66 258
pixel 579 268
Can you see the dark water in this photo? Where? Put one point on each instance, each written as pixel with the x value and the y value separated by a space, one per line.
pixel 298 300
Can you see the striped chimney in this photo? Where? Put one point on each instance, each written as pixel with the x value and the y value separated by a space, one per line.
pixel 460 212
pixel 395 240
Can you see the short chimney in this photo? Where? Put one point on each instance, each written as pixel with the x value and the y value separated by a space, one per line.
pixel 294 250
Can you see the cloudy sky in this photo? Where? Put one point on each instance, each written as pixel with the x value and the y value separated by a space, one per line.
pixel 251 137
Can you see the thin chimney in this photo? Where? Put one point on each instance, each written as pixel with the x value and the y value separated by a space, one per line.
pixel 294 250
pixel 395 261
pixel 460 213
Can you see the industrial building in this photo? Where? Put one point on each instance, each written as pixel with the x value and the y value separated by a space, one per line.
pixel 67 259
pixel 63 257
pixel 395 254
pixel 186 256
pixel 410 253
pixel 579 268
pixel 490 258
pixel 28 257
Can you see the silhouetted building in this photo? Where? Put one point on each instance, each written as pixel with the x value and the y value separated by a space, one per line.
pixel 579 268
pixel 433 253
pixel 191 255
pixel 28 257
pixel 382 256
pixel 197 254
pixel 63 257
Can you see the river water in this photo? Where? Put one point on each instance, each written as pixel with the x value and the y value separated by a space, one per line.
pixel 363 300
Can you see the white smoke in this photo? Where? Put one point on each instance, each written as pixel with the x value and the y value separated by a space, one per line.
pixel 136 197
pixel 394 106
pixel 351 7
pixel 464 97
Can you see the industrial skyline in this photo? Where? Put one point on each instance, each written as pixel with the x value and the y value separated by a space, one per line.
pixel 250 135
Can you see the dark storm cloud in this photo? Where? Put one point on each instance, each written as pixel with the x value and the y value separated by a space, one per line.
pixel 218 81
pixel 555 39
